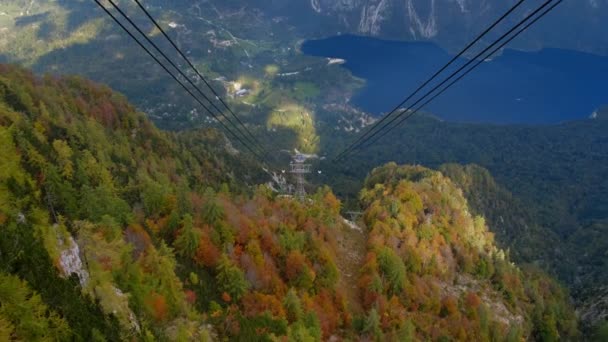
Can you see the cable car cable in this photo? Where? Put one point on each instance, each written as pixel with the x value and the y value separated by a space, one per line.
pixel 479 62
pixel 454 74
pixel 181 53
pixel 174 77
pixel 124 15
pixel 454 59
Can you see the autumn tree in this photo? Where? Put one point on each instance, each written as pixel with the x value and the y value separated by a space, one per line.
pixel 207 253
pixel 157 305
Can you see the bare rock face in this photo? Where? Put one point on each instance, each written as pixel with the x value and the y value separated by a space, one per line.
pixel 372 17
pixel 426 18
pixel 449 22
pixel 70 261
pixel 415 18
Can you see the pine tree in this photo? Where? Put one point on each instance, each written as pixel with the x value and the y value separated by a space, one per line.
pixel 188 240
pixel 372 325
pixel 213 213
pixel 292 305
pixel 231 279
pixel 393 269
pixel 24 312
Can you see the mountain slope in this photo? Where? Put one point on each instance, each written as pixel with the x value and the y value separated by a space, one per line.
pixel 555 171
pixel 449 22
pixel 511 221
pixel 81 170
pixel 127 232
pixel 528 241
pixel 430 261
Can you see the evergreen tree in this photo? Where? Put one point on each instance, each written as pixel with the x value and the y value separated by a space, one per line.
pixel 188 240
pixel 23 314
pixel 231 279
pixel 292 305
pixel 372 325
pixel 393 269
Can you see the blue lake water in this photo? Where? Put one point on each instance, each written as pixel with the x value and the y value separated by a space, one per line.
pixel 542 87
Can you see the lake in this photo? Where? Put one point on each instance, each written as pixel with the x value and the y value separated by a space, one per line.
pixel 540 87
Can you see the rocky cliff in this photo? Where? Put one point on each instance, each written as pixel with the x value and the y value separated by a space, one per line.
pixel 575 25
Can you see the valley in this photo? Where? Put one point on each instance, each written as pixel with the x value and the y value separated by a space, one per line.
pixel 501 200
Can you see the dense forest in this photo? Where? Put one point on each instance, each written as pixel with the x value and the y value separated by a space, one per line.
pixel 114 230
pixel 542 188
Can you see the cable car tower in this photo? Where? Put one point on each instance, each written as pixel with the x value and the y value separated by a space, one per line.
pixel 299 169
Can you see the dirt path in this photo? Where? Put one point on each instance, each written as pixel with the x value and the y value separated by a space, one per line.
pixel 350 255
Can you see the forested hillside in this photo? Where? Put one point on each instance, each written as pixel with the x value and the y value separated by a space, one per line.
pixel 114 230
pixel 86 183
pixel 546 182
pixel 432 263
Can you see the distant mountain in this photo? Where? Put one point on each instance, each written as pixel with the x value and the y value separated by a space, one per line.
pixel 578 25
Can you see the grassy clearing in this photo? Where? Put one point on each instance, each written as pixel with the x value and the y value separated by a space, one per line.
pixel 301 121
pixel 305 91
